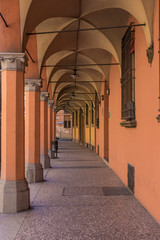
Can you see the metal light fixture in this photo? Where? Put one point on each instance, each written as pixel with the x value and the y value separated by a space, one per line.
pixel 75 75
pixel 108 91
pixel 102 97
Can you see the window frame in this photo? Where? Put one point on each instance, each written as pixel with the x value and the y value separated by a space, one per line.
pixel 128 78
pixel 65 124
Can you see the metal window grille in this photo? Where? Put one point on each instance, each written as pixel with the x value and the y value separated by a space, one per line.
pixel 128 75
pixel 65 124
pixel 69 124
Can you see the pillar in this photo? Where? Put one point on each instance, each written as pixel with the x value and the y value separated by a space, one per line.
pixel 14 191
pixel 90 126
pixel 54 123
pixel 50 107
pixel 34 170
pixel 44 158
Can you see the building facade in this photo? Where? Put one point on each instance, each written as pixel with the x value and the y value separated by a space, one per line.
pixel 100 61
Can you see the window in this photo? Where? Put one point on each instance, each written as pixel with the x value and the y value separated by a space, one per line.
pixel 128 77
pixel 69 124
pixel 65 124
pixel 86 114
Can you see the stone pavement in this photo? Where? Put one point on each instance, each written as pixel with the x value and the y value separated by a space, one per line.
pixel 80 199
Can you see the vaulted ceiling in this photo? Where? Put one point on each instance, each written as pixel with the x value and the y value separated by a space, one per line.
pixel 68 49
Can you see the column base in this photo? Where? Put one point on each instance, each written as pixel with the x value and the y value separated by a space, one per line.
pixel 45 161
pixel 51 154
pixel 34 172
pixel 14 196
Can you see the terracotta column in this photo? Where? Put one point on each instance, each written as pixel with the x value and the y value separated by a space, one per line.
pixel 54 124
pixel 45 160
pixel 14 191
pixel 90 126
pixel 50 106
pixel 34 170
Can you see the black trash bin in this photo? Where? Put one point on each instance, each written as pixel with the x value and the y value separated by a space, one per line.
pixel 55 146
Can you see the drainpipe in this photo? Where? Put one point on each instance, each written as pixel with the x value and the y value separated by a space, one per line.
pixel 158 117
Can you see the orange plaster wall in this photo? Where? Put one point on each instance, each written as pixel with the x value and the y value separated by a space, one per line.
pixel 10 38
pixel 101 133
pixel 44 79
pixel 32 69
pixel 50 92
pixel 139 146
pixel 92 136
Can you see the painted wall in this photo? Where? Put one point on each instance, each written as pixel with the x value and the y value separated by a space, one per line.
pixel 77 134
pixel 77 129
pixel 138 146
pixel 102 132
pixel 92 135
pixel 74 133
pixel 87 134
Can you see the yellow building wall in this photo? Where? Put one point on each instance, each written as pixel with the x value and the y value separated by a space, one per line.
pixel 74 133
pixel 87 134
pixel 93 136
pixel 77 133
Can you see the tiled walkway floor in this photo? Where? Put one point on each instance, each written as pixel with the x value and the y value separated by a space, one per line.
pixel 81 198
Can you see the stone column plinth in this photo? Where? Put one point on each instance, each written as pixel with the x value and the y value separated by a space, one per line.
pixel 34 170
pixel 50 106
pixel 44 158
pixel 14 191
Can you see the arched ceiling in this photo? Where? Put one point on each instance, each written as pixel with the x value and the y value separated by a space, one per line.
pixel 76 49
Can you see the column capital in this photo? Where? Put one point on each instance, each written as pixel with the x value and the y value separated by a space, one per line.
pixel 44 96
pixel 54 108
pixel 50 103
pixel 33 85
pixel 13 61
